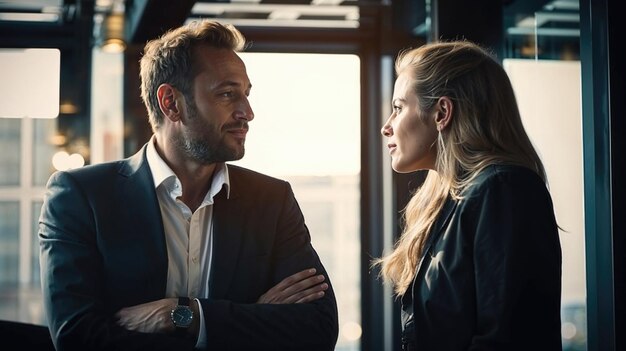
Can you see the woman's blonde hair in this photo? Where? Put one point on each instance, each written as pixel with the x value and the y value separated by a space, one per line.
pixel 485 129
pixel 169 59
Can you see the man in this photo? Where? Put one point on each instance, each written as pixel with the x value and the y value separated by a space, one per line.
pixel 172 248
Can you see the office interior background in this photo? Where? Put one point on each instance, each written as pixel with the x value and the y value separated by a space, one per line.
pixel 322 72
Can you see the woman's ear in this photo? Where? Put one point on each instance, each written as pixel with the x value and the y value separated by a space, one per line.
pixel 443 115
pixel 168 102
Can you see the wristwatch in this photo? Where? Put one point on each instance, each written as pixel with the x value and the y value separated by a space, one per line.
pixel 182 315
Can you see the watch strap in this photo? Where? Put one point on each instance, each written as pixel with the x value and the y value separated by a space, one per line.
pixel 180 330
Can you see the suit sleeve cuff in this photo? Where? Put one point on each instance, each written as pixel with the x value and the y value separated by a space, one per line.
pixel 201 344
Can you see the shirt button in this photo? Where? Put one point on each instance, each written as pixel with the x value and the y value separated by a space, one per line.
pixel 194 259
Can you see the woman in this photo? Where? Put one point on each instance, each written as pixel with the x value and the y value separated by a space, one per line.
pixel 478 266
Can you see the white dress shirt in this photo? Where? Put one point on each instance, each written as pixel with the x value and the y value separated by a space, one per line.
pixel 189 236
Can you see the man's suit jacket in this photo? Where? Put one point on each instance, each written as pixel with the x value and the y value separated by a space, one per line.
pixel 103 248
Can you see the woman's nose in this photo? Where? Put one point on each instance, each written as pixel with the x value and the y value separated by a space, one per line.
pixel 386 129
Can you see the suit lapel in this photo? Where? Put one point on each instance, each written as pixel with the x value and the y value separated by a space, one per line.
pixel 227 238
pixel 143 218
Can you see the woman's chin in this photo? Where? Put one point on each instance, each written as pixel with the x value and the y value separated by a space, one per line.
pixel 404 168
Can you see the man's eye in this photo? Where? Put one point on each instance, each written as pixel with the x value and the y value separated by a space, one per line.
pixel 227 94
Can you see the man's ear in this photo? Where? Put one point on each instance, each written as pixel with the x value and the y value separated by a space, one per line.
pixel 443 111
pixel 167 96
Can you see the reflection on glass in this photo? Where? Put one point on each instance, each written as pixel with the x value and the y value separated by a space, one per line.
pixel 556 131
pixel 28 144
pixel 543 30
pixel 9 237
pixel 43 132
pixel 10 139
pixel 306 130
pixel 35 278
pixel 331 208
pixel 30 80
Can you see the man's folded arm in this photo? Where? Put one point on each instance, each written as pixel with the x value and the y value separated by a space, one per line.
pixel 279 326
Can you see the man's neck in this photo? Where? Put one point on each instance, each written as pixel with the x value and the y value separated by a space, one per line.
pixel 195 178
pixel 195 184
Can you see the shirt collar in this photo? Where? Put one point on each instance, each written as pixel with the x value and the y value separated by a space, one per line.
pixel 162 174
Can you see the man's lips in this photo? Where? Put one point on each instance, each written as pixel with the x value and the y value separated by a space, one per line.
pixel 238 132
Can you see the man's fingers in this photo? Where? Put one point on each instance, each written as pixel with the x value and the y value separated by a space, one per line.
pixel 303 285
pixel 288 282
pixel 312 294
pixel 303 293
pixel 295 278
pixel 310 298
pixel 276 293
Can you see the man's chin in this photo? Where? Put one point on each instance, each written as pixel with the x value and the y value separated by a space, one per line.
pixel 235 155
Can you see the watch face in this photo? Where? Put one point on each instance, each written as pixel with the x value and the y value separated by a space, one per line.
pixel 182 316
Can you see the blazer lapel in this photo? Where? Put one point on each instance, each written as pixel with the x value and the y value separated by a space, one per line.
pixel 440 224
pixel 143 218
pixel 227 238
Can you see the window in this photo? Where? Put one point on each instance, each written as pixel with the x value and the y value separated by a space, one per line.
pixel 27 130
pixel 21 195
pixel 556 131
pixel 307 131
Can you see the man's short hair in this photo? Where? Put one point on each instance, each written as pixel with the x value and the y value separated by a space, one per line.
pixel 169 59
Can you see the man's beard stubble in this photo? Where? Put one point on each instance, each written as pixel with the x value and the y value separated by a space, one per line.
pixel 208 150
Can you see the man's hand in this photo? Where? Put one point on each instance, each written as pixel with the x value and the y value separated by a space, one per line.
pixel 301 287
pixel 151 317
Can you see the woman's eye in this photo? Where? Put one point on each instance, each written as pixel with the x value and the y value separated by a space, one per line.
pixel 397 109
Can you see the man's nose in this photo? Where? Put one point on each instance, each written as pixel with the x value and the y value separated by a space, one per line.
pixel 244 112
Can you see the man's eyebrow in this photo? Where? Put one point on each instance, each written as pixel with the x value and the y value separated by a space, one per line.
pixel 230 83
pixel 227 83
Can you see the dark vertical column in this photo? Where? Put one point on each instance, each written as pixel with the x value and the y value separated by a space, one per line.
pixel 617 110
pixel 387 29
pixel 137 130
pixel 372 241
pixel 603 149
pixel 74 119
pixel 477 21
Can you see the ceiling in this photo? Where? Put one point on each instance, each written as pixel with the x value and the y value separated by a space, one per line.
pixel 58 22
pixel 36 22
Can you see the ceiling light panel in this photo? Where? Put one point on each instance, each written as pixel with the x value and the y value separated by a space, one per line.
pixel 277 15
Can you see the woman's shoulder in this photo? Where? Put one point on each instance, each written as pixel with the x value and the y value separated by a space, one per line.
pixel 517 190
pixel 515 177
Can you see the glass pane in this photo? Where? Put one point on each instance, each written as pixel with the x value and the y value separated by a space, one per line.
pixel 331 208
pixel 543 64
pixel 30 80
pixel 35 278
pixel 307 132
pixel 544 30
pixel 43 150
pixel 107 107
pixel 9 237
pixel 556 131
pixel 10 139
